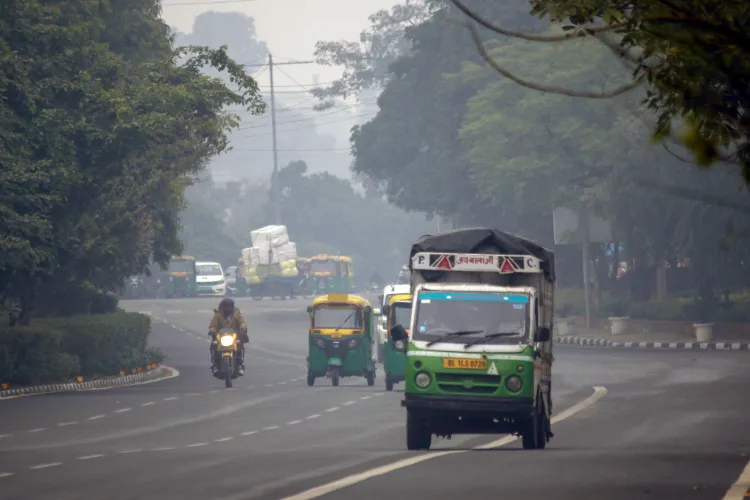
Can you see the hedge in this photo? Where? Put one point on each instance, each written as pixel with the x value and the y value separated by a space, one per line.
pixel 58 349
pixel 570 302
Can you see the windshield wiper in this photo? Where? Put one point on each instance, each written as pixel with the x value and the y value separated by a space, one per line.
pixel 453 334
pixel 490 336
pixel 344 322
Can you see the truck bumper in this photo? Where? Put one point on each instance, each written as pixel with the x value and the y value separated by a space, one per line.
pixel 470 405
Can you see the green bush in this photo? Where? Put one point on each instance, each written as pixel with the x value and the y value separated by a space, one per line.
pixel 70 300
pixel 56 349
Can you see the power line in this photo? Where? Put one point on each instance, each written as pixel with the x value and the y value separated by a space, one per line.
pixel 302 119
pixel 308 128
pixel 215 2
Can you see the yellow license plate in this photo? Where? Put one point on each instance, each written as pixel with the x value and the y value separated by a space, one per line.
pixel 464 364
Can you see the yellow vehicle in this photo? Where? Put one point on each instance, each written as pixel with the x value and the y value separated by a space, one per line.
pixel 328 274
pixel 341 330
pixel 180 277
pixel 397 312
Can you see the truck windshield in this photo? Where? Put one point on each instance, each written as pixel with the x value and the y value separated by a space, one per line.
pixel 475 315
pixel 338 317
pixel 402 314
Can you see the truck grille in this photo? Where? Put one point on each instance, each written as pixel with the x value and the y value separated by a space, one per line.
pixel 467 383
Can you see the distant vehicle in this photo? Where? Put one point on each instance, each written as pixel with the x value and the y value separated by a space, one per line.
pixel 388 292
pixel 230 280
pixel 209 279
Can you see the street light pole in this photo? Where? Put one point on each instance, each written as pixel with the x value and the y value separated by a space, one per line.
pixel 275 188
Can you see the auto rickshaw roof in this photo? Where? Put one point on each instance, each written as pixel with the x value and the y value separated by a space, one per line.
pixel 302 259
pixel 323 256
pixel 344 258
pixel 402 297
pixel 341 298
pixel 182 257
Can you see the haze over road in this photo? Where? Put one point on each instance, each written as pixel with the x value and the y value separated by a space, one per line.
pixel 672 425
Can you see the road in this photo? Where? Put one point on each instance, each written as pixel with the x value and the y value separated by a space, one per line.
pixel 660 425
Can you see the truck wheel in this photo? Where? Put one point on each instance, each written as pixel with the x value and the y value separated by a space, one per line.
pixel 380 352
pixel 418 437
pixel 535 432
pixel 370 378
pixel 388 383
pixel 310 379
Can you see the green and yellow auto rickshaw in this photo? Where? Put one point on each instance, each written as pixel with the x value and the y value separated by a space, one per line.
pixel 329 274
pixel 397 312
pixel 180 277
pixel 342 328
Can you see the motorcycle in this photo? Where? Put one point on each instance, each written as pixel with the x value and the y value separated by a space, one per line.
pixel 226 359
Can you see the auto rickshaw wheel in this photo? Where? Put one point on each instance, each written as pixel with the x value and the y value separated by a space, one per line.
pixel 335 376
pixel 310 379
pixel 418 436
pixel 388 383
pixel 370 378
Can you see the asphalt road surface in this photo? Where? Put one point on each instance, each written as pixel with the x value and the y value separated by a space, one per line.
pixel 651 425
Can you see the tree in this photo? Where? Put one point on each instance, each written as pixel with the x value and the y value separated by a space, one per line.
pixel 692 54
pixel 102 140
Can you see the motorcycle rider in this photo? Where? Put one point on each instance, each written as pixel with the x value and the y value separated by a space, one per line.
pixel 228 316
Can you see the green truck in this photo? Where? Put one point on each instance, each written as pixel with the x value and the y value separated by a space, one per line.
pixel 479 353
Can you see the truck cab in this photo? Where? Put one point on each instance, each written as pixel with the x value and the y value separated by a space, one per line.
pixel 479 357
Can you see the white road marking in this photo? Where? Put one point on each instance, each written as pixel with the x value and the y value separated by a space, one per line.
pixel 223 440
pixel 335 408
pixel 89 457
pixel 127 452
pixel 190 394
pixel 40 429
pixel 196 445
pixel 273 427
pixel 5 435
pixel 214 392
pixel 379 394
pixel 349 403
pixel 165 448
pixel 97 417
pixel 123 410
pixel 739 489
pixel 45 466
pixel 317 415
pixel 269 385
pixel 282 383
pixel 149 403
pixel 248 433
pixel 345 482
pixel 180 329
pixel 7 474
pixel 364 398
pixel 294 422
pixel 65 424
pixel 171 398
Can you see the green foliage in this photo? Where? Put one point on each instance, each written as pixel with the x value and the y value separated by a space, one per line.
pixel 696 55
pixel 102 130
pixel 57 349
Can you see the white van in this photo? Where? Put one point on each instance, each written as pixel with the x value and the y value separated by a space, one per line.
pixel 388 292
pixel 209 278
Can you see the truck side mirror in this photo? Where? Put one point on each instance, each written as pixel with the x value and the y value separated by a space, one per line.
pixel 309 309
pixel 399 333
pixel 376 312
pixel 543 334
pixel 386 309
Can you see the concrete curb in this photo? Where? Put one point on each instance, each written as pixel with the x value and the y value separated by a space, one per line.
pixel 159 373
pixel 685 346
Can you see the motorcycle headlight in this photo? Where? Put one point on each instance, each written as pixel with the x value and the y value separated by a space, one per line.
pixel 320 343
pixel 514 383
pixel 399 344
pixel 422 380
pixel 227 340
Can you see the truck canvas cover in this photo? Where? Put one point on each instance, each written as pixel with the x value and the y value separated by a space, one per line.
pixel 456 256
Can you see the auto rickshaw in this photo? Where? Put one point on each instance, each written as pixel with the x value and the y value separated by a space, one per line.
pixel 329 274
pixel 342 328
pixel 180 277
pixel 397 312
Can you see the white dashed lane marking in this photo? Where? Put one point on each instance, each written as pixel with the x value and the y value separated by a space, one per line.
pixel 248 433
pixel 294 422
pixel 66 424
pixel 40 429
pixel 128 452
pixel 223 440
pixel 196 445
pixel 89 457
pixel 7 474
pixel 123 410
pixel 317 415
pixel 271 428
pixel 149 403
pixel 164 448
pixel 45 466
pixel 335 408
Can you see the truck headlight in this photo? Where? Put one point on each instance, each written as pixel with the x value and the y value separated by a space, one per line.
pixel 422 380
pixel 399 344
pixel 514 383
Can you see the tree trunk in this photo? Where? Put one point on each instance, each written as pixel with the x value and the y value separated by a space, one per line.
pixel 661 280
pixel 28 302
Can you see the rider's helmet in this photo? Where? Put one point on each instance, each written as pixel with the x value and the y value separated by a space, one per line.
pixel 226 304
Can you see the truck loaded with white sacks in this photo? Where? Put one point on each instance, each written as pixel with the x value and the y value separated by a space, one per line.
pixel 268 268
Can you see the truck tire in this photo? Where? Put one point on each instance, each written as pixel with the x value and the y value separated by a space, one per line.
pixel 535 432
pixel 418 436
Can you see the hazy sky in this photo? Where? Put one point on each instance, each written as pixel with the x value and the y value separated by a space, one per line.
pixel 289 27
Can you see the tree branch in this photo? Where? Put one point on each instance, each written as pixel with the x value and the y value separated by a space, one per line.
pixel 546 88
pixel 580 32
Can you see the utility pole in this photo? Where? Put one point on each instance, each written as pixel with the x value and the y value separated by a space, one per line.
pixel 583 229
pixel 275 176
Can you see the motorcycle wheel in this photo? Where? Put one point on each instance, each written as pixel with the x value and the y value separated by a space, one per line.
pixel 227 367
